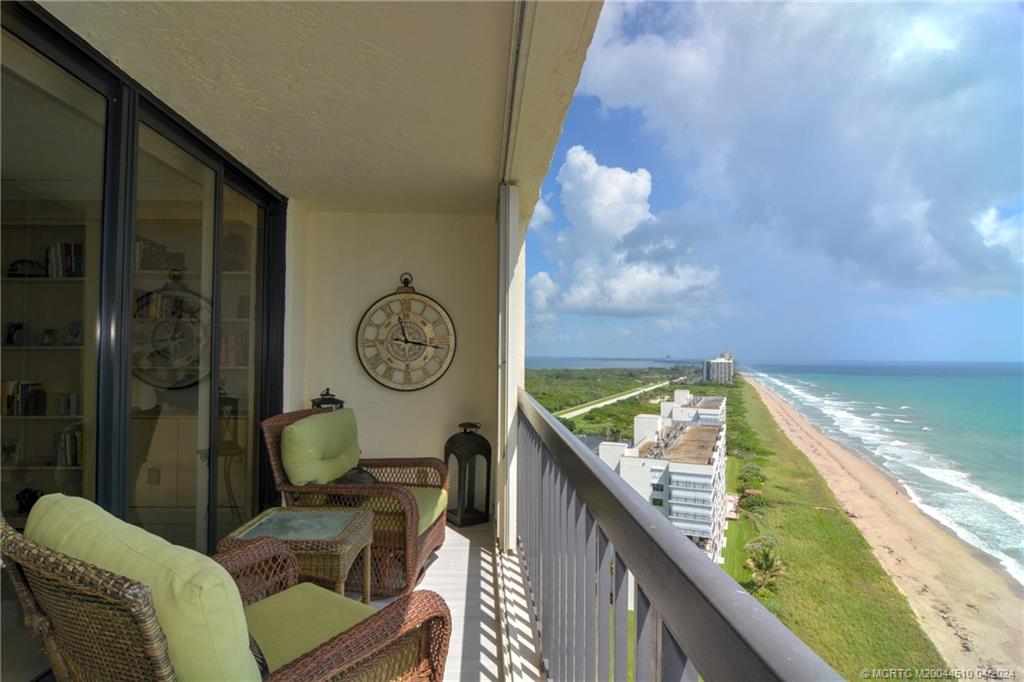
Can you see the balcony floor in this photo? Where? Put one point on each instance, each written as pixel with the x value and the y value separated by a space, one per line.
pixel 464 573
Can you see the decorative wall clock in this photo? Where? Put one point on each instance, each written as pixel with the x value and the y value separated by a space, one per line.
pixel 171 336
pixel 405 340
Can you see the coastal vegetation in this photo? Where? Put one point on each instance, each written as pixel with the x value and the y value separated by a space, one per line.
pixel 560 389
pixel 794 547
pixel 831 590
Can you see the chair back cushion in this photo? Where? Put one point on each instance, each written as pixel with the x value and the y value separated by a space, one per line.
pixel 320 448
pixel 195 599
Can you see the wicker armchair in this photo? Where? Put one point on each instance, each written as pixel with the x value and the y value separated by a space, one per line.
pixel 94 624
pixel 399 552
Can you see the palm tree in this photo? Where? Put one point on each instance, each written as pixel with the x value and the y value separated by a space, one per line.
pixel 765 568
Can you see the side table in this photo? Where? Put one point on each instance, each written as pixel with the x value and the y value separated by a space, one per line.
pixel 325 540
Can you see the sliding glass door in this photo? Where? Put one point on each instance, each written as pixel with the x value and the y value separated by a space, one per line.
pixel 171 327
pixel 238 322
pixel 53 128
pixel 142 297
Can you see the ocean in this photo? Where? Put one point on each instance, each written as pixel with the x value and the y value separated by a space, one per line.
pixel 952 434
pixel 552 362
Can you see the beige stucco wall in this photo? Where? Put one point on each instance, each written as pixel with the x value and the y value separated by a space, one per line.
pixel 340 263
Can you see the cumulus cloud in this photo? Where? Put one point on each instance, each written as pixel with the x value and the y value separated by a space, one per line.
pixel 1004 233
pixel 542 215
pixel 878 135
pixel 609 266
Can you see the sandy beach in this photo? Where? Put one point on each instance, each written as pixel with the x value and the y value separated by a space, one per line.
pixel 972 610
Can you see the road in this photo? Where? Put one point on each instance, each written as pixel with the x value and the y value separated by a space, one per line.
pixel 587 407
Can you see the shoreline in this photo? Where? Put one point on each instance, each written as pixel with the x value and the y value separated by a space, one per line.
pixel 965 601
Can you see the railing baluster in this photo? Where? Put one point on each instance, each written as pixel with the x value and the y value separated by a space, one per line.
pixel 547 581
pixel 604 603
pixel 673 661
pixel 621 613
pixel 579 591
pixel 590 610
pixel 644 653
pixel 563 575
pixel 570 585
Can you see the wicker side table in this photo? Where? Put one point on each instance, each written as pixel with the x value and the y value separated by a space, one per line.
pixel 325 540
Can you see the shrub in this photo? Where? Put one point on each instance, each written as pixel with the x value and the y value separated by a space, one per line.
pixel 759 543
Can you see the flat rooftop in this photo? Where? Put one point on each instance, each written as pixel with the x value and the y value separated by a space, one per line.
pixel 695 445
pixel 711 402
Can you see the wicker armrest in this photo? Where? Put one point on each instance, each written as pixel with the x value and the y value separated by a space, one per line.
pixel 260 568
pixel 422 471
pixel 421 616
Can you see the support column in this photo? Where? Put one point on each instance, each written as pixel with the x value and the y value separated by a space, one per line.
pixel 511 356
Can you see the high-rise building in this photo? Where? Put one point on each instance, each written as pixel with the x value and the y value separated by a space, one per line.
pixel 720 370
pixel 677 462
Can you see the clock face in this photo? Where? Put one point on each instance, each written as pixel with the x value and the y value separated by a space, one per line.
pixel 406 341
pixel 171 338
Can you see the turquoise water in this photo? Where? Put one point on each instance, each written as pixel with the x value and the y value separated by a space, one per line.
pixel 952 434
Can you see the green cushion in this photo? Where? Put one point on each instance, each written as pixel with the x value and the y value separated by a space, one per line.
pixel 320 448
pixel 431 503
pixel 295 621
pixel 196 601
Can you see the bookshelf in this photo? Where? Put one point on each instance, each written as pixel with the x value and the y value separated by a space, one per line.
pixel 49 297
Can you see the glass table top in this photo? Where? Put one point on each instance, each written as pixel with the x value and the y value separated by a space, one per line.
pixel 311 525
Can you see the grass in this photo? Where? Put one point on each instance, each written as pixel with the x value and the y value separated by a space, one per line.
pixel 615 421
pixel 835 595
pixel 611 397
pixel 561 389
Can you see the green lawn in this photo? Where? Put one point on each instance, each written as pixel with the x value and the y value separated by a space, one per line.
pixel 835 595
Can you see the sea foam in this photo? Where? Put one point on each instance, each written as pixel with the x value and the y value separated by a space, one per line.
pixel 951 498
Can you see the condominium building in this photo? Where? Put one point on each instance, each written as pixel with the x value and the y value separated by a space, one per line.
pixel 677 462
pixel 720 370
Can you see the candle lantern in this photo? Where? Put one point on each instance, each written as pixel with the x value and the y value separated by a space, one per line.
pixel 327 400
pixel 467 448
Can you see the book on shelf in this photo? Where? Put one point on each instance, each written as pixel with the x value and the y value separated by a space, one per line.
pixel 68 444
pixel 65 259
pixel 149 255
pixel 23 398
pixel 157 305
pixel 234 350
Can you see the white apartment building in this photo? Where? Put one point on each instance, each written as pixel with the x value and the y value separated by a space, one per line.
pixel 720 370
pixel 677 462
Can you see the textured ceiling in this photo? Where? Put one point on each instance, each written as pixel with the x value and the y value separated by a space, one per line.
pixel 393 107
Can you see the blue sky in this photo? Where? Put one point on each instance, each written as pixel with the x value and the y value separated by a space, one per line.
pixel 792 182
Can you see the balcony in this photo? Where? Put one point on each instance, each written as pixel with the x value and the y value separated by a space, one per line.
pixel 584 537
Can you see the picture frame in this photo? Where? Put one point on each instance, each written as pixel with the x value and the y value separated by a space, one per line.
pixel 10 450
pixel 49 338
pixel 74 335
pixel 15 334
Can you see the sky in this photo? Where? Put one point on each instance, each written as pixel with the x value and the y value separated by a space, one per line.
pixel 803 182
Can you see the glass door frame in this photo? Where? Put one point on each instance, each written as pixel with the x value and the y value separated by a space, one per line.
pixel 128 105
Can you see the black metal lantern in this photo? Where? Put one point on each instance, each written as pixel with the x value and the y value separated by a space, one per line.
pixel 327 400
pixel 466 447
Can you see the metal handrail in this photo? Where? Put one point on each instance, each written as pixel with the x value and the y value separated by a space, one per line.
pixel 723 630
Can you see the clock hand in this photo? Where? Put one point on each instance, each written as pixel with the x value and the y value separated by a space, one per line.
pixel 420 343
pixel 404 337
